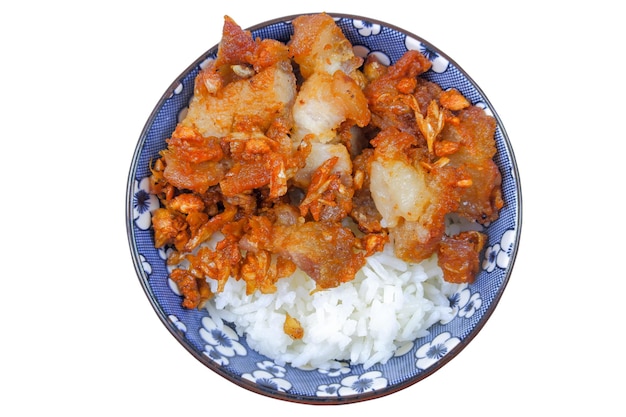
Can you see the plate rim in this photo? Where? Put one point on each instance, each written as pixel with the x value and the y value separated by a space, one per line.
pixel 286 396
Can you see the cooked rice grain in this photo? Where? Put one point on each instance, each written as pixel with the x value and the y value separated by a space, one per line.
pixel 388 304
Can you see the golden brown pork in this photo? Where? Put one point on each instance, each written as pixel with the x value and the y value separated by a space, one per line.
pixel 285 145
pixel 433 155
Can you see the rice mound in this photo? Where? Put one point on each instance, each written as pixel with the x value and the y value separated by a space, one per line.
pixel 364 321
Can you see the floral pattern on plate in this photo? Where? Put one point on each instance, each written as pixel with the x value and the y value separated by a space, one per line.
pixel 219 346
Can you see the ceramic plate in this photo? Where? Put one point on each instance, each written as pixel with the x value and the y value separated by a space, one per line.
pixel 227 354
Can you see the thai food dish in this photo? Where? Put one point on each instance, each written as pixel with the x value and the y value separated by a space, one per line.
pixel 305 195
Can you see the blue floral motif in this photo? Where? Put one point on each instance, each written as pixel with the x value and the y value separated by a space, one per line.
pixel 179 324
pixel 429 353
pixel 269 375
pixel 163 253
pixel 358 384
pixel 366 28
pixel 145 265
pixel 439 63
pixel 331 390
pixel 404 349
pixel 341 369
pixel 460 297
pixel 271 367
pixel 144 204
pixel 464 303
pixel 223 342
pixel 500 254
pixel 471 306
pixel 179 89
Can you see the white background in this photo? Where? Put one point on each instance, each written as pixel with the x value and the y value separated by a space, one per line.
pixel 78 82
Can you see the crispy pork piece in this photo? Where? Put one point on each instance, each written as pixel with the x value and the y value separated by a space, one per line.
pixel 459 256
pixel 330 99
pixel 186 203
pixel 244 103
pixel 252 102
pixel 319 46
pixel 319 154
pixel 267 166
pixel 192 161
pixel 323 105
pixel 481 199
pixel 235 132
pixel 248 86
pixel 390 101
pixel 329 195
pixel 195 291
pixel 404 187
pixel 328 252
pixel 433 156
pixel 170 228
pixel 412 198
pixel 329 104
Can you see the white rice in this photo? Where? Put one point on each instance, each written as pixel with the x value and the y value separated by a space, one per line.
pixel 389 304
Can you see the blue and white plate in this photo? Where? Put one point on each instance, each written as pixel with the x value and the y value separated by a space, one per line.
pixel 227 354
